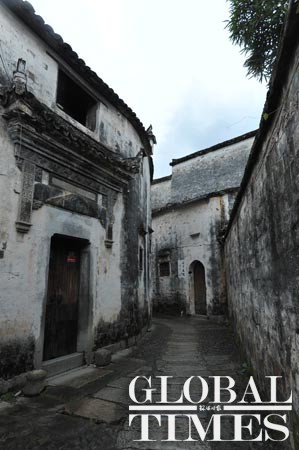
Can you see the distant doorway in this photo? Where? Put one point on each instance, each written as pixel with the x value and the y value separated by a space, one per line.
pixel 61 324
pixel 199 288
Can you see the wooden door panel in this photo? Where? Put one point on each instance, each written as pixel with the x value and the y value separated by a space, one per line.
pixel 199 289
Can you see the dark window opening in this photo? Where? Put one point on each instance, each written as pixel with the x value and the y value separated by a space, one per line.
pixel 75 102
pixel 140 258
pixel 110 232
pixel 164 268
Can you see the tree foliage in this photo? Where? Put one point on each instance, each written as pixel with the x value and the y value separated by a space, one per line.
pixel 257 25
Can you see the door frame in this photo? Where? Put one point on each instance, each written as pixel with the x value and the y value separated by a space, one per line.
pixel 192 286
pixel 84 330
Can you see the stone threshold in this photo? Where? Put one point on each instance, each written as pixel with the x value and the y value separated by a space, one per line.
pixel 63 364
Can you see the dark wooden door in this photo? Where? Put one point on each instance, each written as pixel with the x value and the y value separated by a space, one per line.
pixel 62 300
pixel 199 289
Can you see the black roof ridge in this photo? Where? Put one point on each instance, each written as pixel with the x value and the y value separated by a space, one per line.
pixel 218 146
pixel 26 13
pixel 159 180
pixel 191 201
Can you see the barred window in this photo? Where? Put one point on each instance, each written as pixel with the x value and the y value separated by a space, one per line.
pixel 164 268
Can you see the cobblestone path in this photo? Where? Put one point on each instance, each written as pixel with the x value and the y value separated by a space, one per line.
pixel 77 414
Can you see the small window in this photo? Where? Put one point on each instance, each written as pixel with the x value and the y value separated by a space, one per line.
pixel 75 102
pixel 164 268
pixel 140 258
pixel 110 232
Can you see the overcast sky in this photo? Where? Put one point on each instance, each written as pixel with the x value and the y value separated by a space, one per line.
pixel 171 61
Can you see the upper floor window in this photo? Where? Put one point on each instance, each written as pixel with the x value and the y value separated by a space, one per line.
pixel 75 102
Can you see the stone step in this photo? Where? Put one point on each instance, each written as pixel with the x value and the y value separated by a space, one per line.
pixel 63 364
pixel 79 377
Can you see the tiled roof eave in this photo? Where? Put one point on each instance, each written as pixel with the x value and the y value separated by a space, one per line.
pixel 25 11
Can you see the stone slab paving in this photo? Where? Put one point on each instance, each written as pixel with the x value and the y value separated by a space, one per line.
pixel 143 371
pixel 113 394
pixel 99 410
pixel 4 406
pixel 122 383
pixel 179 360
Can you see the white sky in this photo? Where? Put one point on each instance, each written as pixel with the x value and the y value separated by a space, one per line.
pixel 171 61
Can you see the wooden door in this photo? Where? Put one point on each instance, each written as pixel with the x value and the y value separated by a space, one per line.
pixel 62 299
pixel 199 289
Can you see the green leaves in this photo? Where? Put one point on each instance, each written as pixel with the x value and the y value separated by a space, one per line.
pixel 256 26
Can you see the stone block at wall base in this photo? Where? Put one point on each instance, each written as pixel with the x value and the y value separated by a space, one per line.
pixel 124 343
pixel 14 384
pixel 131 341
pixel 102 357
pixel 36 382
pixel 19 381
pixel 5 386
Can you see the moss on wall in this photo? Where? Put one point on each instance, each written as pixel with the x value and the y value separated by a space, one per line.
pixel 16 356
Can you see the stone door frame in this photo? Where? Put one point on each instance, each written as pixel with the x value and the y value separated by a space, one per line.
pixel 84 333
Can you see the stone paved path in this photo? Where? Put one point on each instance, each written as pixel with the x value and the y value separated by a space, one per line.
pixel 194 346
pixel 76 414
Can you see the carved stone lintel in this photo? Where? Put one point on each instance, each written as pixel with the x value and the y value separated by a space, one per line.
pixel 54 145
pixel 46 128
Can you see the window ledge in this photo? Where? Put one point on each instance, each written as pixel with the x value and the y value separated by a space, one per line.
pixel 84 129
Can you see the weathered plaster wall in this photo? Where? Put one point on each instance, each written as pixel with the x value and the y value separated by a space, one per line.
pixel 160 193
pixel 10 180
pixel 136 238
pixel 115 131
pixel 134 276
pixel 262 258
pixel 17 41
pixel 108 273
pixel 189 233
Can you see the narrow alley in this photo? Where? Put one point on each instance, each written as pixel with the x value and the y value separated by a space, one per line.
pixel 87 408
